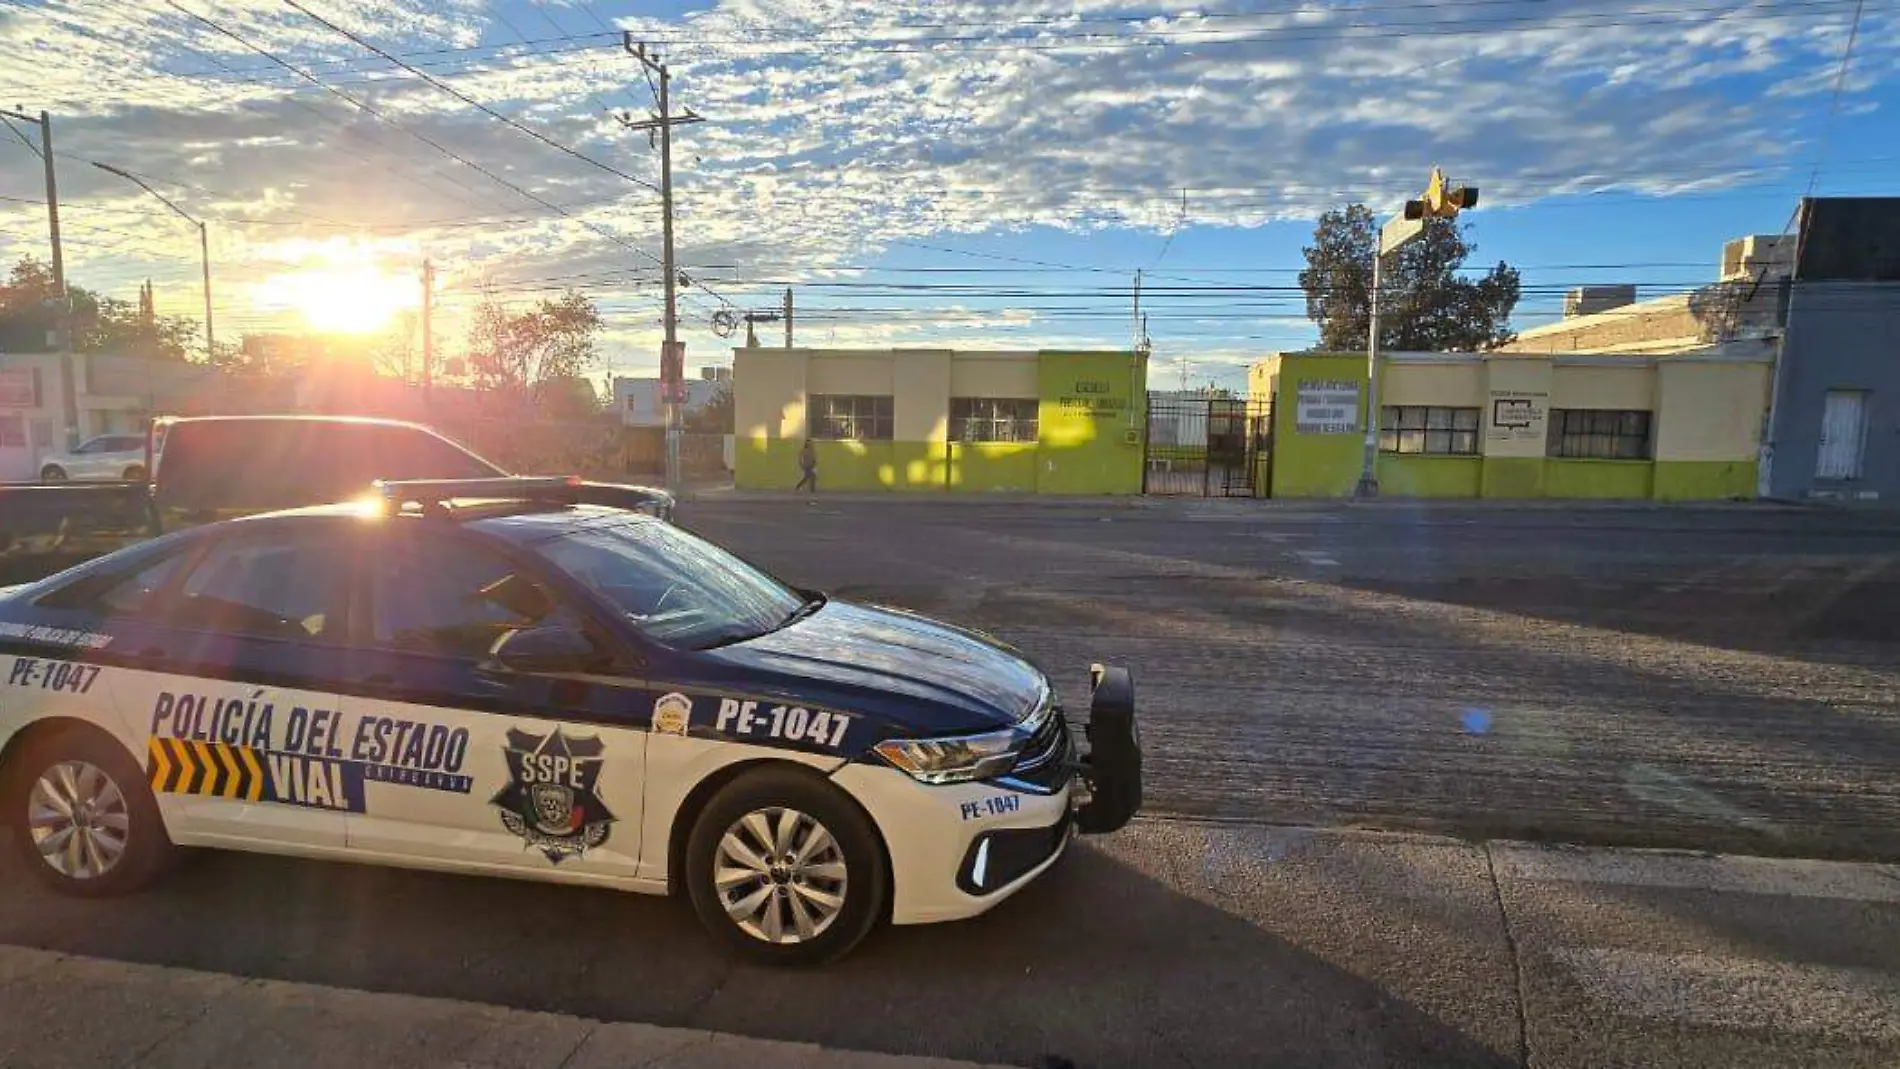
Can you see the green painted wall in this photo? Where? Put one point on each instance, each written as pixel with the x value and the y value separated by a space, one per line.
pixel 1712 480
pixel 1512 477
pixel 1420 476
pixel 1611 479
pixel 1091 414
pixel 914 466
pixel 765 463
pixel 1001 467
pixel 851 465
pixel 1316 465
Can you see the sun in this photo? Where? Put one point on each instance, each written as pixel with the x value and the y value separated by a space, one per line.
pixel 341 299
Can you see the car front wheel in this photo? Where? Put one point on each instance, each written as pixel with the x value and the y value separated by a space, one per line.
pixel 84 820
pixel 53 473
pixel 786 869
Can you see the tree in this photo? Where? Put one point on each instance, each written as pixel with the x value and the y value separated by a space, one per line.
pixel 29 311
pixel 1426 306
pixel 527 354
pixel 715 416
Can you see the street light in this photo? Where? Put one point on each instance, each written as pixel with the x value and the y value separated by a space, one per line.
pixel 1441 201
pixel 204 240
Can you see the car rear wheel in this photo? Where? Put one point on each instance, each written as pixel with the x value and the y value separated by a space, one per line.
pixel 84 820
pixel 786 869
pixel 135 473
pixel 53 473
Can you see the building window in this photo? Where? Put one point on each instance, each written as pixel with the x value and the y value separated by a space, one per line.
pixel 851 417
pixel 1431 430
pixel 993 419
pixel 1598 434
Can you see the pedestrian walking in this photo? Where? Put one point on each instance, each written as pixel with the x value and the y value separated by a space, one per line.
pixel 807 463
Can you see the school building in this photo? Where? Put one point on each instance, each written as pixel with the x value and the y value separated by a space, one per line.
pixel 1515 425
pixel 938 420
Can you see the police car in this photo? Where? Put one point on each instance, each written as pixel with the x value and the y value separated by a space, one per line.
pixel 488 676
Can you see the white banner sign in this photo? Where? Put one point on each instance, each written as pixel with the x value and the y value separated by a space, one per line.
pixel 1326 406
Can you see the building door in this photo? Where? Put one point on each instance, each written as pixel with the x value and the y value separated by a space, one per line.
pixel 1843 435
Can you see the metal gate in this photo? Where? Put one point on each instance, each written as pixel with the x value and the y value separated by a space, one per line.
pixel 1207 446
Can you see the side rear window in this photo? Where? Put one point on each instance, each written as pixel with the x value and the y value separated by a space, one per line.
pixel 411 453
pixel 268 587
pixel 120 594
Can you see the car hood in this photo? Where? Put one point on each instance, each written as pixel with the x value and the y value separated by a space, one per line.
pixel 919 676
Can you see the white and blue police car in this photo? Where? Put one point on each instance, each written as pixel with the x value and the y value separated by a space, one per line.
pixel 487 676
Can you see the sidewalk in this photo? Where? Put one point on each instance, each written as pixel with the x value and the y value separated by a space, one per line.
pixel 1171 943
pixel 728 494
pixel 66 1012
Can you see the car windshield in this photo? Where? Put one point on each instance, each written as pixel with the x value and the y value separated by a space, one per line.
pixel 678 589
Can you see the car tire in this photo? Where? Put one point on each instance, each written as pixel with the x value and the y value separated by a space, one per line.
pixel 123 845
pixel 53 473
pixel 839 887
pixel 135 473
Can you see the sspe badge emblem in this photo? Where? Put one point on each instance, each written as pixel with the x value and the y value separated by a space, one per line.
pixel 552 800
pixel 672 714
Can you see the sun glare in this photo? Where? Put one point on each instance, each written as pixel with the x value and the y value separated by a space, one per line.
pixel 354 299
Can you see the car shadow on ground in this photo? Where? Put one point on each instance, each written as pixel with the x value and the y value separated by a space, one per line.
pixel 1103 963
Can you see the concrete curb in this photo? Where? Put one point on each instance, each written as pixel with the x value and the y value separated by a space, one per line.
pixel 1265 505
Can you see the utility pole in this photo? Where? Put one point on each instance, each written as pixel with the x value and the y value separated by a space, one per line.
pixel 1137 316
pixel 428 335
pixel 62 310
pixel 788 317
pixel 672 351
pixel 1440 201
pixel 204 240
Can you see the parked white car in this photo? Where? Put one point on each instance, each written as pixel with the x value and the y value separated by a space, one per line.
pixel 109 457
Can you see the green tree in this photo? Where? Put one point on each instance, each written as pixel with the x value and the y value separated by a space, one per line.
pixel 30 310
pixel 531 355
pixel 1426 305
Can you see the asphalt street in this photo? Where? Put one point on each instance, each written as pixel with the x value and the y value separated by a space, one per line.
pixel 1718 679
pixel 1723 678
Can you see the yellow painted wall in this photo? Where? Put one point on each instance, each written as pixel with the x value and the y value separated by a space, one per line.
pixel 836 373
pixel 997 467
pixel 1594 386
pixel 920 380
pixel 1001 375
pixel 1422 476
pixel 1713 411
pixel 768 400
pixel 1263 379
pixel 1458 385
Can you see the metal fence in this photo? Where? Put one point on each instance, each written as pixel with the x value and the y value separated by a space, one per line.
pixel 1208 446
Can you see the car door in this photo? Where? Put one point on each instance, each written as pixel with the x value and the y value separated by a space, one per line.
pixel 230 660
pixel 470 763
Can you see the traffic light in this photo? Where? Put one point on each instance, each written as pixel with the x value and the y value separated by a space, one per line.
pixel 1442 200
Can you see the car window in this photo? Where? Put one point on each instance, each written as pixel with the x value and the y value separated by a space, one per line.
pixel 90 445
pixel 125 444
pixel 119 594
pixel 270 587
pixel 678 589
pixel 455 599
pixel 408 453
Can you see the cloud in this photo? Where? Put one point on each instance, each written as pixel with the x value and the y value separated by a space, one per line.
pixel 835 129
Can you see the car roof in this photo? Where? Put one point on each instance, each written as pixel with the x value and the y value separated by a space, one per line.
pixel 520 522
pixel 298 417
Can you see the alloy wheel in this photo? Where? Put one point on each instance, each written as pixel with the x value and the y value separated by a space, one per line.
pixel 780 874
pixel 79 820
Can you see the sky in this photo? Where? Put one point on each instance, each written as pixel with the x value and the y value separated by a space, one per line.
pixel 931 174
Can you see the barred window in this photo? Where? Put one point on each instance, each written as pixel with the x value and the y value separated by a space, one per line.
pixel 1428 429
pixel 993 419
pixel 851 417
pixel 1598 434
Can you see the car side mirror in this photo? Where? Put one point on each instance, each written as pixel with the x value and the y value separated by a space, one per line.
pixel 546 649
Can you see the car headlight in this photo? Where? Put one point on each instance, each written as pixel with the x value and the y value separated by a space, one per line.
pixel 954 760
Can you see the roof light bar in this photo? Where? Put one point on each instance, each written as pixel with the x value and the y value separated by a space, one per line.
pixel 560 489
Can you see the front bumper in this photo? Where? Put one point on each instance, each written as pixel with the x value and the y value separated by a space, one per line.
pixel 957 850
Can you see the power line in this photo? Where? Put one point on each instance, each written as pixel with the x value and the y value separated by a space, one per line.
pixel 472 102
pixel 1834 100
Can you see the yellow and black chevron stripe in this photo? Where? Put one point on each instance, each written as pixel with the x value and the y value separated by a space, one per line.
pixel 214 769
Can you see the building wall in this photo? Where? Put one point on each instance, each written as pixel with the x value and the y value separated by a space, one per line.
pixel 1706 414
pixel 1841 336
pixel 1090 411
